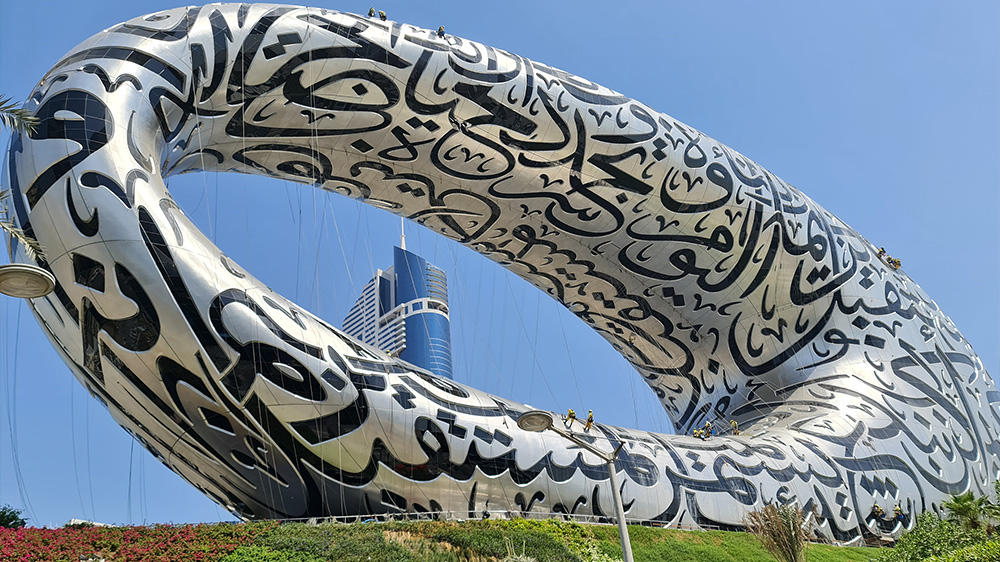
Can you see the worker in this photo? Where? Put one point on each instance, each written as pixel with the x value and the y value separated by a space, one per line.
pixel 570 416
pixel 897 513
pixel 371 12
pixel 879 512
pixel 696 432
pixel 381 15
pixel 735 426
pixel 881 252
pixel 708 429
pixel 441 32
pixel 590 421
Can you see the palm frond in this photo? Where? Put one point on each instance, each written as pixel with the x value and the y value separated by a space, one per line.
pixel 17 118
pixel 32 248
pixel 966 510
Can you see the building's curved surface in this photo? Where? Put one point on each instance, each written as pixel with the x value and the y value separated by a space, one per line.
pixel 732 293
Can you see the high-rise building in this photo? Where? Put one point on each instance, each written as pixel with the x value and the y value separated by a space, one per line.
pixel 404 311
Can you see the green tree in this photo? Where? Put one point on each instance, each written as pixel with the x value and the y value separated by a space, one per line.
pixel 967 511
pixel 991 510
pixel 781 531
pixel 10 518
pixel 930 536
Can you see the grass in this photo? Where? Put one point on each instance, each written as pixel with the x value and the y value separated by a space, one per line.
pixel 669 545
pixel 545 541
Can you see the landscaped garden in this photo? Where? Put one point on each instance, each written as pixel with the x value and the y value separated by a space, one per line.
pixel 966 535
pixel 434 541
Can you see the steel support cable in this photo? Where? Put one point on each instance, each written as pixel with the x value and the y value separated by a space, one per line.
pixel 128 503
pixel 76 463
pixel 12 422
pixel 460 282
pixel 569 356
pixel 4 372
pixel 531 347
pixel 347 267
pixel 142 487
pixel 422 319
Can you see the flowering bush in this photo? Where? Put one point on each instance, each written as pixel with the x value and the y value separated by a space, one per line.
pixel 159 543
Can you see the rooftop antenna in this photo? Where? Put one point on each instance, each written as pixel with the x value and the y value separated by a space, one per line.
pixel 402 235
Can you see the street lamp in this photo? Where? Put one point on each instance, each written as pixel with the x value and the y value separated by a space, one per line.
pixel 25 281
pixel 538 421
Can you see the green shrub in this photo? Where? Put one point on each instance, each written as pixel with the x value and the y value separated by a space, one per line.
pixel 982 552
pixel 596 554
pixel 931 536
pixel 359 542
pixel 546 541
pixel 781 531
pixel 427 541
pixel 513 555
pixel 264 554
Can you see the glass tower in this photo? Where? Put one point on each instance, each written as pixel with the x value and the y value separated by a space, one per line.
pixel 404 311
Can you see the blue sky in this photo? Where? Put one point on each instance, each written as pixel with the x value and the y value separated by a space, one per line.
pixel 887 114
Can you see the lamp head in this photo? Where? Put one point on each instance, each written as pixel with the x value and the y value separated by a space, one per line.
pixel 535 420
pixel 25 281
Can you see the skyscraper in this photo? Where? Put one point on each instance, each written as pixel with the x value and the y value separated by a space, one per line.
pixel 404 311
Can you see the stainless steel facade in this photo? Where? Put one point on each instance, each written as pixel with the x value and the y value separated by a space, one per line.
pixel 733 294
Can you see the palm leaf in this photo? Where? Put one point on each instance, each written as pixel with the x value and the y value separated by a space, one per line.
pixel 32 247
pixel 19 119
pixel 966 510
pixel 16 118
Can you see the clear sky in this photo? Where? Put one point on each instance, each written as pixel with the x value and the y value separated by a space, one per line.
pixel 887 114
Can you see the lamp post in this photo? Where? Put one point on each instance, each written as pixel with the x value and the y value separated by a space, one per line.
pixel 538 421
pixel 25 281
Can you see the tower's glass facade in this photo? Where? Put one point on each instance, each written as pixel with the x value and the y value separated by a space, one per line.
pixel 404 311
